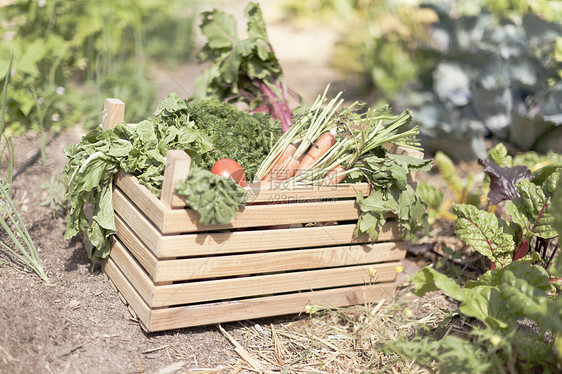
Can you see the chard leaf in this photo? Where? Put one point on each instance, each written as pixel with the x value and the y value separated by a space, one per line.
pixel 504 180
pixel 532 302
pixel 486 233
pixel 534 275
pixel 532 211
pixel 479 302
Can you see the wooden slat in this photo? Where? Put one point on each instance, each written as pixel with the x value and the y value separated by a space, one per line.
pixel 135 245
pixel 279 194
pixel 219 266
pixel 195 315
pixel 270 262
pixel 128 291
pixel 175 221
pixel 186 220
pixel 197 244
pixel 263 240
pixel 230 288
pixel 227 311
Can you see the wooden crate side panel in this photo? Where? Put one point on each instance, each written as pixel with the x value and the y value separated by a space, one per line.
pixel 124 286
pixel 270 262
pixel 133 243
pixel 186 220
pixel 196 244
pixel 227 311
pixel 133 271
pixel 221 289
pixel 263 240
pixel 234 288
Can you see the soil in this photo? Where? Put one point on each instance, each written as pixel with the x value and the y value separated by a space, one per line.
pixel 78 323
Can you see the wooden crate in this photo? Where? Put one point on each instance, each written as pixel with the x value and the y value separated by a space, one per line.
pixel 175 272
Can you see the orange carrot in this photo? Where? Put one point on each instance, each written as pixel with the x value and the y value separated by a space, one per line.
pixel 277 170
pixel 334 176
pixel 317 150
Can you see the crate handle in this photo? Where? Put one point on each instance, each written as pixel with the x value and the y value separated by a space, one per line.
pixel 113 113
pixel 177 168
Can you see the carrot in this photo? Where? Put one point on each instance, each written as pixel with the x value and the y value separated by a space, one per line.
pixel 285 165
pixel 334 176
pixel 317 150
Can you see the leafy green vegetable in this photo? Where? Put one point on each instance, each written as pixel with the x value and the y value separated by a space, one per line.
pixel 244 70
pixel 503 180
pixel 531 211
pixel 500 299
pixel 217 199
pixel 392 195
pixel 489 235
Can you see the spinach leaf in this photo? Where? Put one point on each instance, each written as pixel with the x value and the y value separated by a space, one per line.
pixel 217 199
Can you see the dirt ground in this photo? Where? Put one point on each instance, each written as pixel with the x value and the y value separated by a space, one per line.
pixel 78 324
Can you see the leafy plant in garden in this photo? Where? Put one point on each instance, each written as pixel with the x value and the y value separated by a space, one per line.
pixel 243 70
pixel 523 286
pixel 530 209
pixel 494 75
pixel 499 300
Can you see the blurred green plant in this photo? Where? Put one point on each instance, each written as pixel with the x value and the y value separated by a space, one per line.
pixel 10 219
pixel 59 45
pixel 467 69
pixel 498 74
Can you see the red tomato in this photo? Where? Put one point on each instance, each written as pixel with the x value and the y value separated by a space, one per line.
pixel 226 167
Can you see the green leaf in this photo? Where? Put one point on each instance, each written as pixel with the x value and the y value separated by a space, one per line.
pixel 532 211
pixel 532 302
pixel 486 233
pixel 256 25
pixel 478 302
pixel 217 199
pixel 219 28
pixel 449 173
pixel 431 195
pixel 499 155
pixel 535 275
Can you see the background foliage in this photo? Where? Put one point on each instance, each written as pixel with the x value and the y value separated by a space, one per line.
pixel 469 70
pixel 70 55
